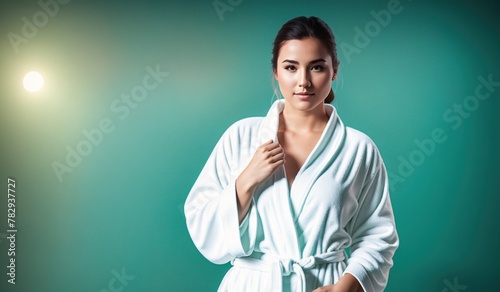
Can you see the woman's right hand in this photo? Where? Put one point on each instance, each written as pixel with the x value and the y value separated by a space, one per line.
pixel 266 159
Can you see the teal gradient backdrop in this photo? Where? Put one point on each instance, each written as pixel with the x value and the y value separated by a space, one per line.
pixel 117 216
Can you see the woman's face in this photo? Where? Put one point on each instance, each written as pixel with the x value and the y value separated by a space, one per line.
pixel 304 72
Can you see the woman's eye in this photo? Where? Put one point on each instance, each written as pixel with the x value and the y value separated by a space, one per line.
pixel 317 68
pixel 290 68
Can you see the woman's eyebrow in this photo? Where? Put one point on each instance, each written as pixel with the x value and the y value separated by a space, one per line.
pixel 313 61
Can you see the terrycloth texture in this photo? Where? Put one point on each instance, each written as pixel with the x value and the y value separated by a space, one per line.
pixel 293 239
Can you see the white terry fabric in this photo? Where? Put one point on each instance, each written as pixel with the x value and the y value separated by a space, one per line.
pixel 293 239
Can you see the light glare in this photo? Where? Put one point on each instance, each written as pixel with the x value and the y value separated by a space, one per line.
pixel 33 81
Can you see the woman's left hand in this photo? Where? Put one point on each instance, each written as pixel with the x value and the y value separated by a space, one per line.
pixel 348 283
pixel 332 288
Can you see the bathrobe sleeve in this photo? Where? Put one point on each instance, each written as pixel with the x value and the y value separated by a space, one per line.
pixel 211 206
pixel 372 229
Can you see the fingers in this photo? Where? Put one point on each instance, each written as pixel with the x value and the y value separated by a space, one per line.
pixel 271 150
pixel 276 151
pixel 269 146
pixel 277 155
pixel 267 158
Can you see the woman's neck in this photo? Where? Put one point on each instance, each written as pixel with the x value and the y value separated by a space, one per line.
pixel 303 121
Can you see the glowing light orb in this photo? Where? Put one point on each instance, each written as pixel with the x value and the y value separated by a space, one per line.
pixel 33 81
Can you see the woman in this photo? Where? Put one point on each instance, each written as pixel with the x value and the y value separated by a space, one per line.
pixel 283 196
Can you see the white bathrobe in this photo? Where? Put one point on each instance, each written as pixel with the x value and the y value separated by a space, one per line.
pixel 294 238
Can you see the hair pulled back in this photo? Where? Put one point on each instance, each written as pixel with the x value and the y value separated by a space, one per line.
pixel 303 27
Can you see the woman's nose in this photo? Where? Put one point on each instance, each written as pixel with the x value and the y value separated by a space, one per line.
pixel 304 80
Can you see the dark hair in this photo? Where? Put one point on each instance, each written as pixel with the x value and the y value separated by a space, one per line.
pixel 303 27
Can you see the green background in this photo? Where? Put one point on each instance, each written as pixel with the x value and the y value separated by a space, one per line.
pixel 121 206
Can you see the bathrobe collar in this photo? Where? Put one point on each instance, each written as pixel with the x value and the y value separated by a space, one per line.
pixel 323 155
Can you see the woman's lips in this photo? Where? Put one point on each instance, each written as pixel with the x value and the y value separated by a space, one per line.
pixel 304 95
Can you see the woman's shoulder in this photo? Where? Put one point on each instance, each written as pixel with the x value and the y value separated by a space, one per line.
pixel 357 137
pixel 247 122
pixel 363 144
pixel 245 126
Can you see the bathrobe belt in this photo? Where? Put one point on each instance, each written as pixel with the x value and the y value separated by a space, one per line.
pixel 279 267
